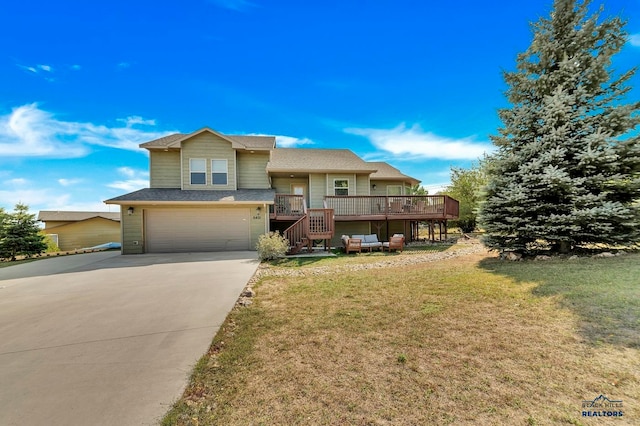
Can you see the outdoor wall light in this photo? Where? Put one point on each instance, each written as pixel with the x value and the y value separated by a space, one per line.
pixel 373 186
pixel 258 209
pixel 130 211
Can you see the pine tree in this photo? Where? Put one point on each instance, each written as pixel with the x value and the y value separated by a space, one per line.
pixel 20 234
pixel 567 169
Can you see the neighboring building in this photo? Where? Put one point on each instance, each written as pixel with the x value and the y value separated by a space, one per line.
pixel 74 230
pixel 210 192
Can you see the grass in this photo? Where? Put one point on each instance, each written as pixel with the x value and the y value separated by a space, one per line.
pixel 468 340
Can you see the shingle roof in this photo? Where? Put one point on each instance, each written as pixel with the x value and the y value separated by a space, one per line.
pixel 257 142
pixel 176 195
pixel 241 141
pixel 74 216
pixel 387 172
pixel 162 142
pixel 316 160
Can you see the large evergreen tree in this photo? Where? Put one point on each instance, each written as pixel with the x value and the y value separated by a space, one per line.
pixel 567 169
pixel 20 234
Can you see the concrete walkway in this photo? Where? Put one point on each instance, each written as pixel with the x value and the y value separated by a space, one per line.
pixel 105 339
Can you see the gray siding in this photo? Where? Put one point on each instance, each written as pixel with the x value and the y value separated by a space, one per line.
pixel 362 185
pixel 132 230
pixel 164 169
pixel 209 147
pixel 317 190
pixel 252 170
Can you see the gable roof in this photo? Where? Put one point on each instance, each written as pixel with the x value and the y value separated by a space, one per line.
pixel 386 171
pixel 74 216
pixel 258 143
pixel 286 160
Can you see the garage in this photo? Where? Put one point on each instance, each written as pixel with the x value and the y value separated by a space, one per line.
pixel 196 230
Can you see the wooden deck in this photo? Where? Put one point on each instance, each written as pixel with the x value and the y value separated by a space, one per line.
pixel 372 208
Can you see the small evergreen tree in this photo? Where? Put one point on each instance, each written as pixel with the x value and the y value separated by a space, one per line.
pixel 567 169
pixel 20 234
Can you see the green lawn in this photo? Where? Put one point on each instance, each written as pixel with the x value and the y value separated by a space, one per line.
pixel 603 293
pixel 466 340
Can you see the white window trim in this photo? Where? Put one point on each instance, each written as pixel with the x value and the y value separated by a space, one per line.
pixel 198 171
pixel 226 167
pixel 335 187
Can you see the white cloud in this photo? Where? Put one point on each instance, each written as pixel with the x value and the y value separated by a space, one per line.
pixel 130 185
pixel 289 141
pixel 135 119
pixel 414 142
pixel 16 182
pixel 69 182
pixel 634 39
pixel 27 68
pixel 123 65
pixel 129 172
pixel 36 199
pixel 135 179
pixel 286 141
pixel 39 69
pixel 75 67
pixel 29 131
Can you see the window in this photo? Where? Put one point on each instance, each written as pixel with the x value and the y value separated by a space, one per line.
pixel 198 170
pixel 219 172
pixel 341 187
pixel 394 190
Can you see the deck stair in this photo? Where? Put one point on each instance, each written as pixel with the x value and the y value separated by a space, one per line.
pixel 315 224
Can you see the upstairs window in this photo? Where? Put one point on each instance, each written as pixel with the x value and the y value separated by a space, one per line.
pixel 198 171
pixel 341 187
pixel 219 172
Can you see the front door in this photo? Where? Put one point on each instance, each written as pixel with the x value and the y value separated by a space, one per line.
pixel 298 189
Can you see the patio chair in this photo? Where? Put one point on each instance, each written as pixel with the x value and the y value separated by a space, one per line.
pixel 351 244
pixel 395 243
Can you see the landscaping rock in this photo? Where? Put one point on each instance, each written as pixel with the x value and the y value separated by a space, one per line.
pixel 604 254
pixel 513 256
pixel 245 302
pixel 248 292
pixel 542 257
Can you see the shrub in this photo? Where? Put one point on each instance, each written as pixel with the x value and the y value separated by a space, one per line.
pixel 52 247
pixel 272 246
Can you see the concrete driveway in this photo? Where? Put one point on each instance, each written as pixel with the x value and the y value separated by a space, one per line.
pixel 106 339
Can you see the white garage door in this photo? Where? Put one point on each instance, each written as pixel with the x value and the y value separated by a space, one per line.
pixel 196 230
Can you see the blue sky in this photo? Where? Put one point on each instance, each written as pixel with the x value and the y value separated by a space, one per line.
pixel 413 83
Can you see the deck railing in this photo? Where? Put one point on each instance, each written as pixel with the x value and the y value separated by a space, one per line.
pixel 407 206
pixel 320 224
pixel 289 206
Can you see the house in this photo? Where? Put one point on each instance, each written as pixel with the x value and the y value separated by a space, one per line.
pixel 75 229
pixel 209 191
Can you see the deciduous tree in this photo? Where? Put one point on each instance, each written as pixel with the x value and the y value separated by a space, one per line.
pixel 466 187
